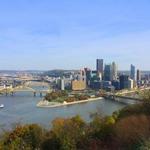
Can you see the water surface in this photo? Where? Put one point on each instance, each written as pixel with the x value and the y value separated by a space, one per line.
pixel 21 108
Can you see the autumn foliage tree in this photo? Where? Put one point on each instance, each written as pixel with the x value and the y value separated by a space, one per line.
pixel 54 95
pixel 68 131
pixel 26 137
pixel 132 130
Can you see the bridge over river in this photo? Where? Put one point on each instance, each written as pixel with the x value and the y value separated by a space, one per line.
pixel 26 87
pixel 119 97
pixel 126 95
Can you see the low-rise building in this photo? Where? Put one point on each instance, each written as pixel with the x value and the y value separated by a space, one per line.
pixel 78 85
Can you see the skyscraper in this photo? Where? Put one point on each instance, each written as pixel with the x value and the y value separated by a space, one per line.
pixel 83 75
pixel 132 72
pixel 88 76
pixel 62 84
pixel 99 66
pixel 124 81
pixel 138 76
pixel 114 71
pixel 108 72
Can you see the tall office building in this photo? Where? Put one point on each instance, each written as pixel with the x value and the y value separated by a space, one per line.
pixel 62 84
pixel 108 72
pixel 138 75
pixel 88 76
pixel 99 66
pixel 132 72
pixel 124 81
pixel 83 75
pixel 114 71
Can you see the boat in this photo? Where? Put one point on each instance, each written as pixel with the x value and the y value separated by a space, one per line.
pixel 1 105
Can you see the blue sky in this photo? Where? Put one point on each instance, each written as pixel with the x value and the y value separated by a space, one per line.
pixel 71 34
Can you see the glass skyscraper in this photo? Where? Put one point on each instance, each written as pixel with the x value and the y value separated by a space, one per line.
pixel 133 72
pixel 99 65
pixel 108 72
pixel 124 80
pixel 114 71
pixel 138 76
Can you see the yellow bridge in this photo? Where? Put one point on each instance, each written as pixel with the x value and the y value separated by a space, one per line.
pixel 23 88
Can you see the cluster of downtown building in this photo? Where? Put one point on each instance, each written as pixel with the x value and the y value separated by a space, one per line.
pixel 105 77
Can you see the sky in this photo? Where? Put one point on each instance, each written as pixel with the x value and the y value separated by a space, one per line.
pixel 72 34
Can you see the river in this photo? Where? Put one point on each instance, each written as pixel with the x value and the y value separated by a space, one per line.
pixel 21 108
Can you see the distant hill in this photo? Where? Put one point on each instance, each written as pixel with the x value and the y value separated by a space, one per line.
pixel 58 72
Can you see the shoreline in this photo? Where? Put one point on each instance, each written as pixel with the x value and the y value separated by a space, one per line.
pixel 46 104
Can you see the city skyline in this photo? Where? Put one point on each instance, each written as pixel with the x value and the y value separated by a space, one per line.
pixel 46 35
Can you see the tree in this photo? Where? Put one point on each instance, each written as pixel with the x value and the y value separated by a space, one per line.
pixel 146 95
pixel 26 137
pixel 130 131
pixel 68 132
pixel 145 145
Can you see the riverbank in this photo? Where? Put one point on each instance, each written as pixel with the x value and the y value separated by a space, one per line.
pixel 47 104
